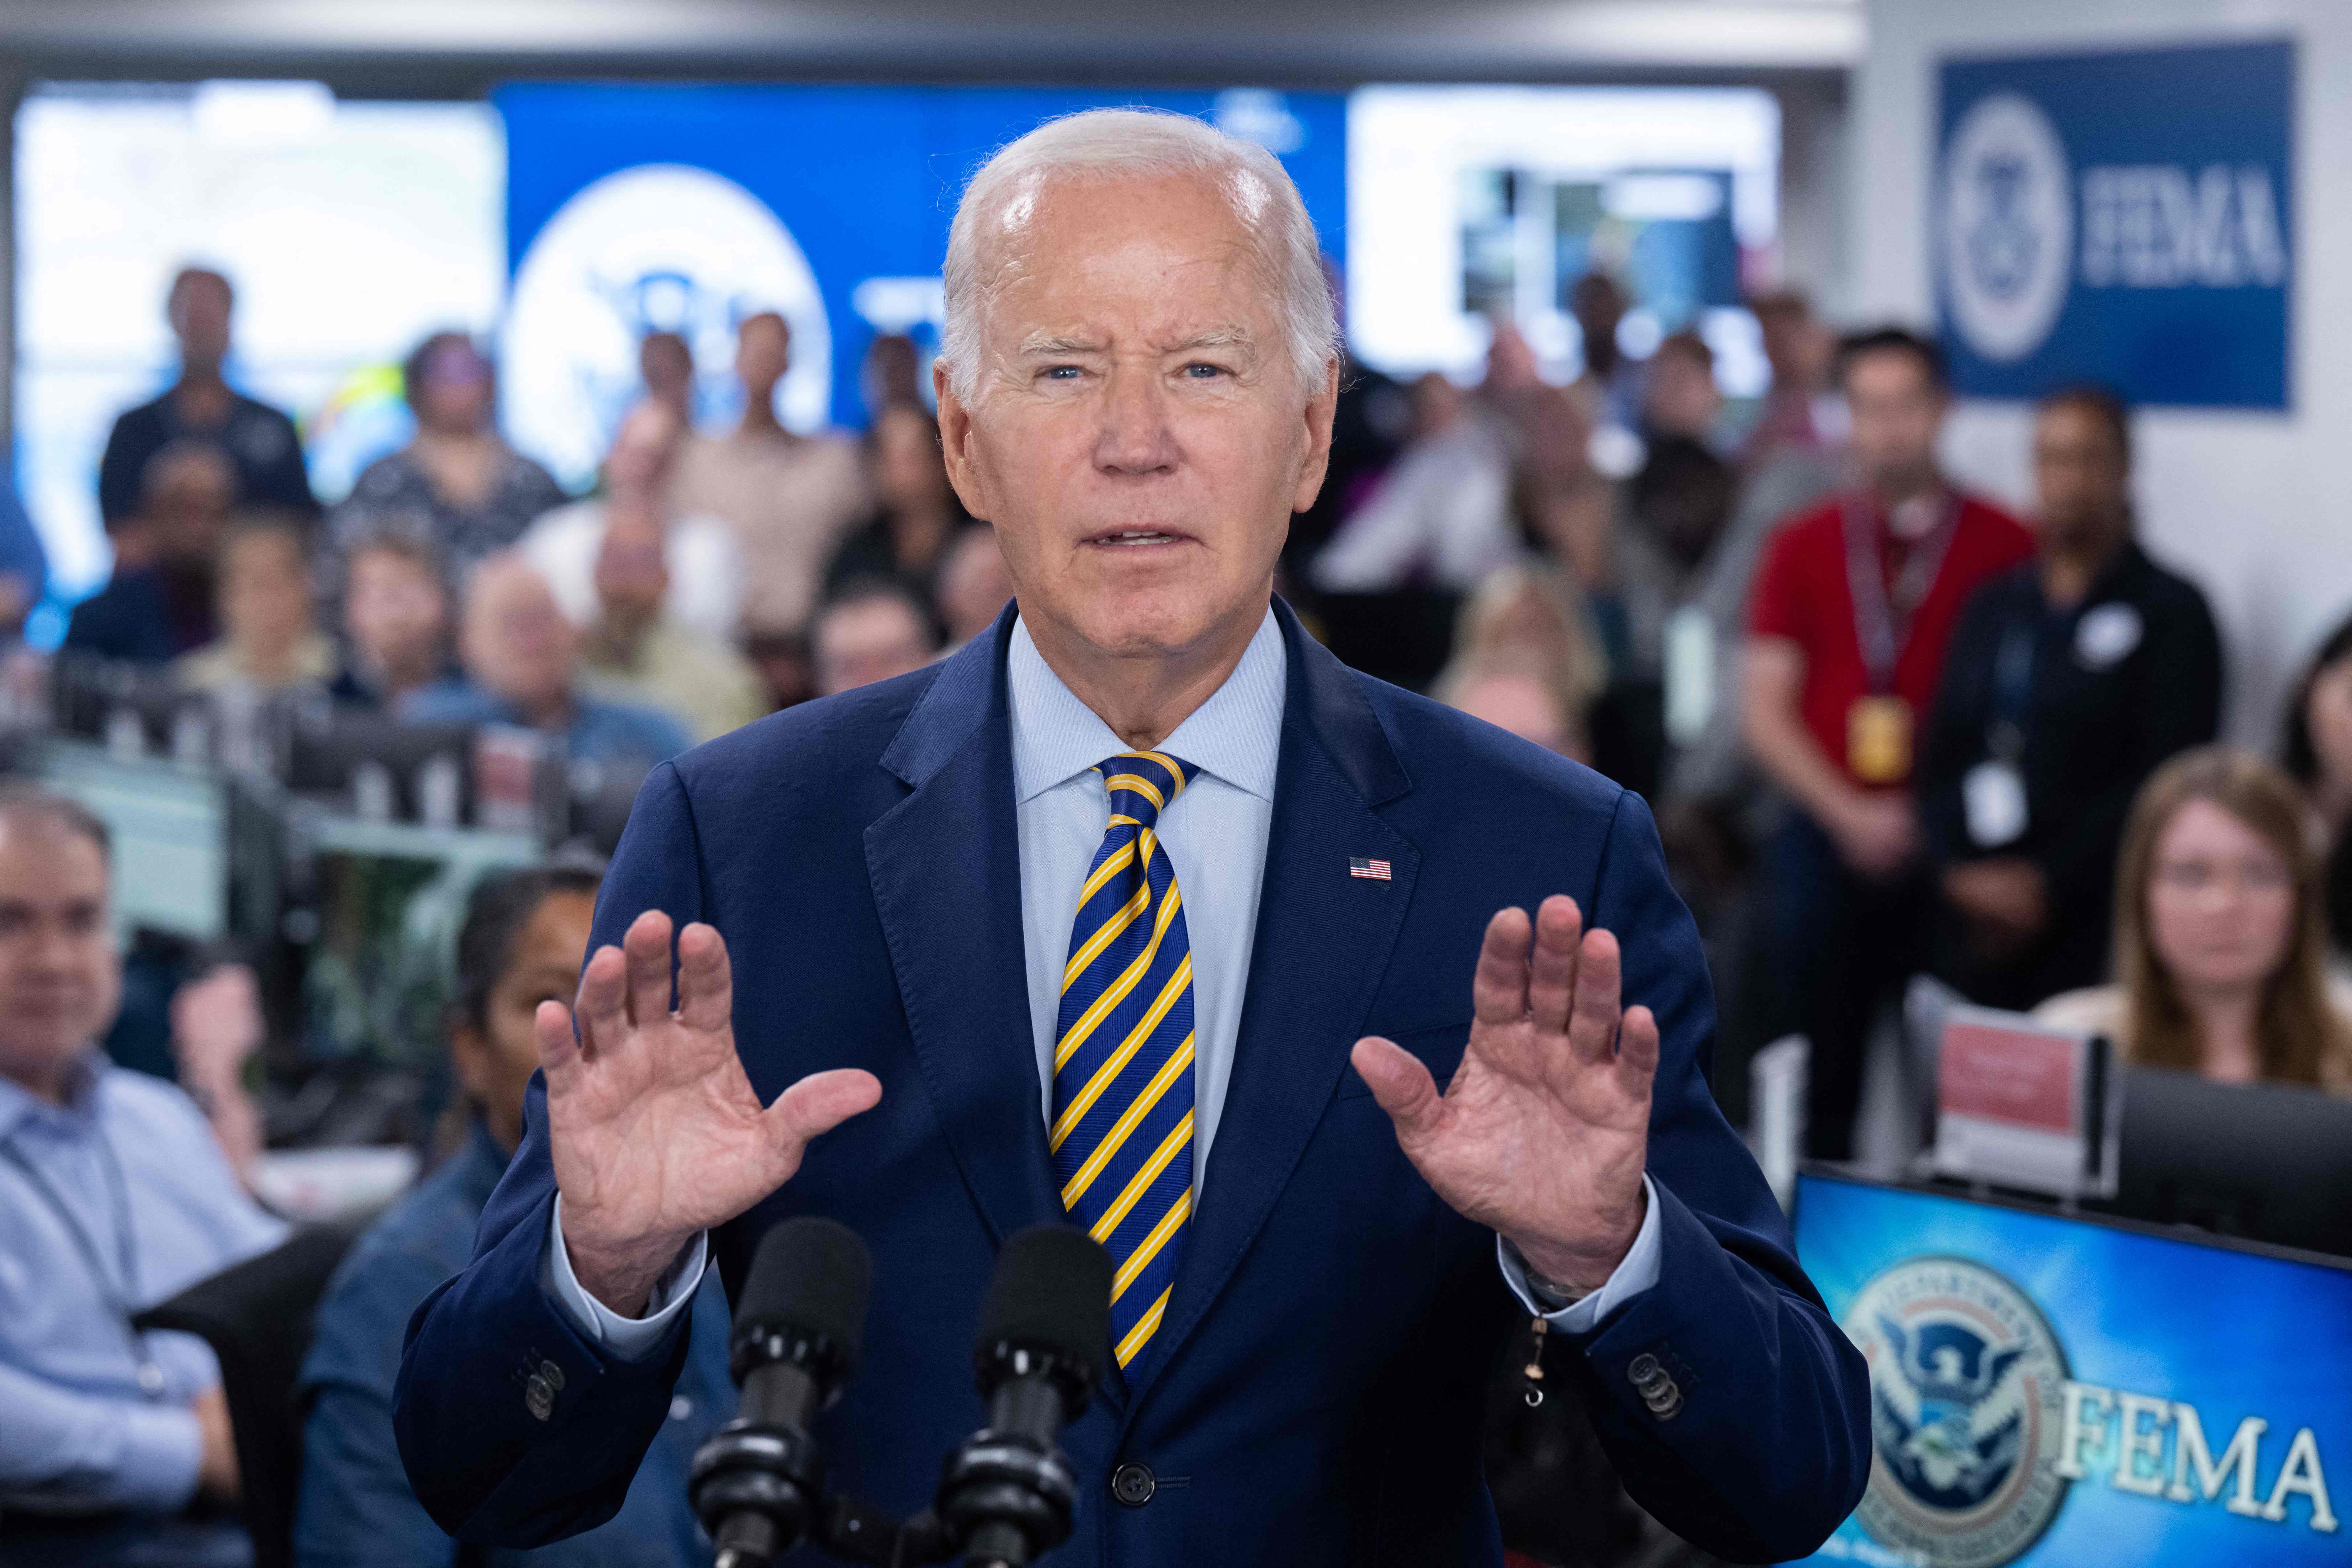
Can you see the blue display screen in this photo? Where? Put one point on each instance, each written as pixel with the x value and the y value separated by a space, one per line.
pixel 2048 1390
pixel 633 208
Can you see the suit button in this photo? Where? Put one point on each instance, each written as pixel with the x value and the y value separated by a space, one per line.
pixel 1133 1485
pixel 1657 1388
pixel 553 1374
pixel 538 1397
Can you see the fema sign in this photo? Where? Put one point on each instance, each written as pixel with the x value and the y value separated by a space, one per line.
pixel 2118 218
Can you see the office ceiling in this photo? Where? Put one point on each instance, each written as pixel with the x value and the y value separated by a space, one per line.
pixel 1284 41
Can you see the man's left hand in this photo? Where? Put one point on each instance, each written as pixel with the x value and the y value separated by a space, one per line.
pixel 1544 1131
pixel 2006 899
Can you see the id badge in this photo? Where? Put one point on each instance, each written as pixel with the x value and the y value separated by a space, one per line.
pixel 1878 739
pixel 1992 798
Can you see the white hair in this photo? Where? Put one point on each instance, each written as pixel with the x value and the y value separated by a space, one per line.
pixel 1112 144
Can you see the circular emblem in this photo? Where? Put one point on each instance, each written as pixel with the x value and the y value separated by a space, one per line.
pixel 2007 227
pixel 1964 1378
pixel 659 247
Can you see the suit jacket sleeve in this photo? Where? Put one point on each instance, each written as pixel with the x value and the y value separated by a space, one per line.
pixel 500 1448
pixel 1770 1447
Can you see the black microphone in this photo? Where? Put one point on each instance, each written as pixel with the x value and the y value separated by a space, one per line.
pixel 758 1485
pixel 1045 1335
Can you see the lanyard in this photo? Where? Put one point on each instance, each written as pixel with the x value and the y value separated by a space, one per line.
pixel 2013 689
pixel 120 1292
pixel 1882 623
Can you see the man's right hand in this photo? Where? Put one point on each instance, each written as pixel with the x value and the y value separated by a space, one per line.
pixel 655 1132
pixel 1877 834
pixel 216 1474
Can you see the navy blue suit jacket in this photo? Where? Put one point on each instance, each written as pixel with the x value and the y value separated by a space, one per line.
pixel 1317 1393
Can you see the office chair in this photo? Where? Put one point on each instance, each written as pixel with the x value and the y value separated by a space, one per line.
pixel 256 1318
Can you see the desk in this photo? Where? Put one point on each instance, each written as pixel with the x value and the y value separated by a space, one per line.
pixel 2058 1390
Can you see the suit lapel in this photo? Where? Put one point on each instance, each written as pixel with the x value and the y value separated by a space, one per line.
pixel 945 867
pixel 1322 944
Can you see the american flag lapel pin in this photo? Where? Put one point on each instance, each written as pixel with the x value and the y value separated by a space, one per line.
pixel 1369 870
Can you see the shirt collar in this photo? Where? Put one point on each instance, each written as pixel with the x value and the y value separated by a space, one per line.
pixel 1236 734
pixel 19 1105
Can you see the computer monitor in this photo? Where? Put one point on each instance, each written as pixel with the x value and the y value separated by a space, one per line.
pixel 328 746
pixel 129 706
pixel 2267 1161
pixel 2051 1389
pixel 171 831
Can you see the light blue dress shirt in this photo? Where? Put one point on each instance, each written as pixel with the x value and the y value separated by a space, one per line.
pixel 78 1431
pixel 1215 835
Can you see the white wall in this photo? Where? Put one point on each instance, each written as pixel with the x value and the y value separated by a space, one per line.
pixel 2258 508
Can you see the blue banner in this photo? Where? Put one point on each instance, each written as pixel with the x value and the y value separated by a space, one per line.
pixel 2125 217
pixel 637 207
pixel 2051 1390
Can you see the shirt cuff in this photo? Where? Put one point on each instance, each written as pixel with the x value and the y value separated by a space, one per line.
pixel 630 1339
pixel 1636 1273
pixel 162 1452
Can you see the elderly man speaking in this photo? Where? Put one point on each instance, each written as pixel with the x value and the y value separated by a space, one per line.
pixel 1145 915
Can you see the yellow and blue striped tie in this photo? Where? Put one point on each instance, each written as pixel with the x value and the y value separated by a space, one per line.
pixel 1122 1133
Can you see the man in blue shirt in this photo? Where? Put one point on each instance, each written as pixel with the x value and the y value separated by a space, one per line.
pixel 521 944
pixel 113 1195
pixel 522 661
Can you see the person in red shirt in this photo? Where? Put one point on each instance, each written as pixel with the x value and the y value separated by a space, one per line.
pixel 1851 613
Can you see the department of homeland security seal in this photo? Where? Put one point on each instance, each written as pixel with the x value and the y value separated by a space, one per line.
pixel 2008 217
pixel 1964 1375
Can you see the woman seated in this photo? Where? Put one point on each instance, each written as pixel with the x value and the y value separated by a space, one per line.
pixel 269 640
pixel 2220 959
pixel 2320 755
pixel 521 944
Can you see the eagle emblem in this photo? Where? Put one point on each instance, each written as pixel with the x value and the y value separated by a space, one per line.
pixel 1965 1375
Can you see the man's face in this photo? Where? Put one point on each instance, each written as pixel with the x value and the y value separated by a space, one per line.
pixel 1898 411
pixel 865 640
pixel 631 576
pixel 1681 399
pixel 61 982
pixel 199 316
pixel 265 592
pixel 642 449
pixel 189 491
pixel 906 476
pixel 1138 433
pixel 395 611
pixel 764 352
pixel 973 583
pixel 518 644
pixel 2079 473
pixel 1598 305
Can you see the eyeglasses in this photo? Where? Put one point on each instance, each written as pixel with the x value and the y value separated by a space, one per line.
pixel 2193 877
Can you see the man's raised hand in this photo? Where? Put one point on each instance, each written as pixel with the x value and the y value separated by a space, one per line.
pixel 653 1128
pixel 1544 1132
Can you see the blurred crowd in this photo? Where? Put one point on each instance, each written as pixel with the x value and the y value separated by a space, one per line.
pixel 1887 729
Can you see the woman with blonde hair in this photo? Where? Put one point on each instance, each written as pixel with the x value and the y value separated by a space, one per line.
pixel 2219 954
pixel 1527 625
